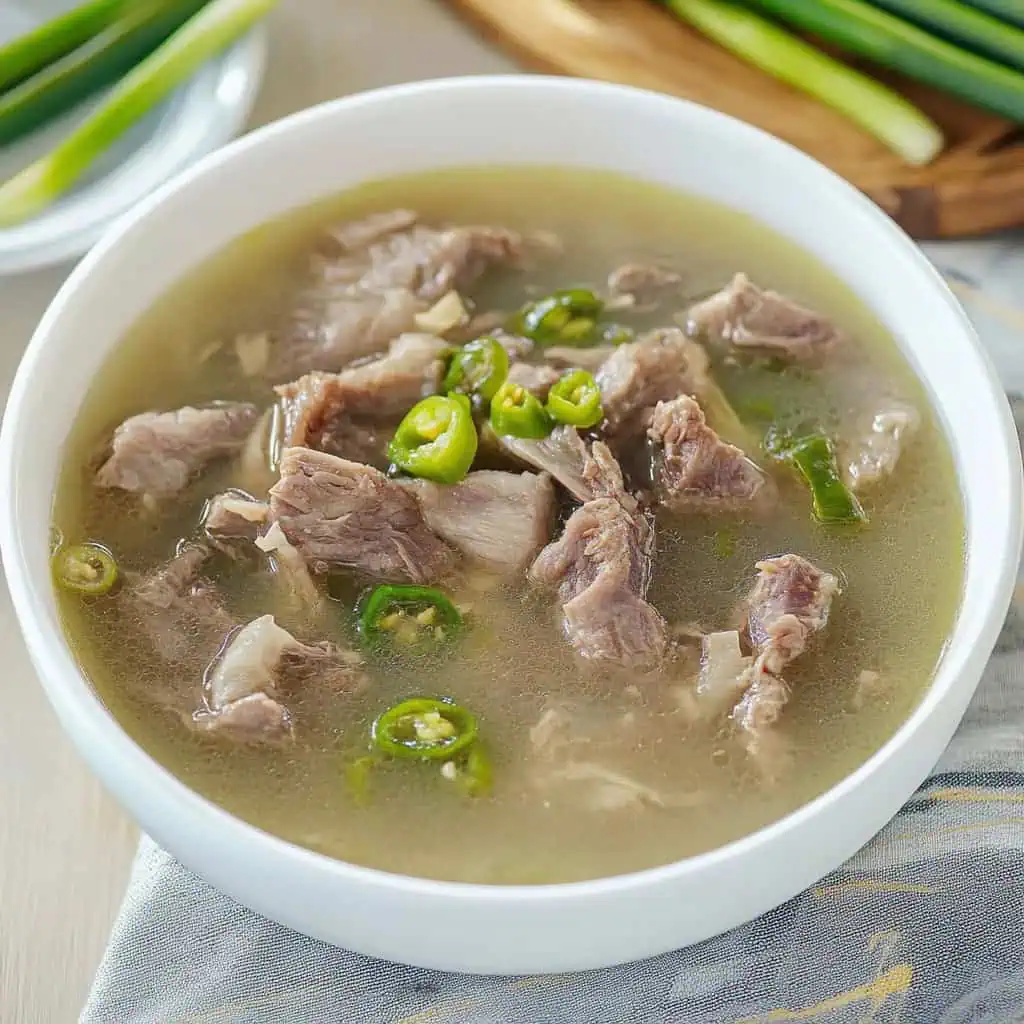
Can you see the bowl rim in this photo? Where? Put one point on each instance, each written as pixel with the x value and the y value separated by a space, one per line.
pixel 88 722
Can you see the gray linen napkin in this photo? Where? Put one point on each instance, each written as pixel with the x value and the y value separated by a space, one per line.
pixel 924 926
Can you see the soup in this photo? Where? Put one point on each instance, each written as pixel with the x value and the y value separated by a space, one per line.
pixel 518 554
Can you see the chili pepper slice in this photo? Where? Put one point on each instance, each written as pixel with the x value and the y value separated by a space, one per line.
pixel 437 439
pixel 409 616
pixel 565 317
pixel 575 399
pixel 88 569
pixel 425 729
pixel 478 368
pixel 814 458
pixel 517 413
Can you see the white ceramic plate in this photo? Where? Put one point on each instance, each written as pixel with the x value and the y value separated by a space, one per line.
pixel 201 116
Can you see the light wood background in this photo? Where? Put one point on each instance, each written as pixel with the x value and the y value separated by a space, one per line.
pixel 65 848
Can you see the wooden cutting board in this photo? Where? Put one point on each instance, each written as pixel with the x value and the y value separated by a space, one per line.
pixel 975 186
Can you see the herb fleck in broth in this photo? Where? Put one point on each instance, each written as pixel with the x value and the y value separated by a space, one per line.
pixel 901 573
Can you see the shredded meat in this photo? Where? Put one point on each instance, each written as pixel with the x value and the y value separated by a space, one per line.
pixel 658 366
pixel 497 520
pixel 158 453
pixel 382 272
pixel 342 514
pixel 346 413
pixel 872 456
pixel 178 611
pixel 789 603
pixel 246 685
pixel 644 286
pixel 234 516
pixel 752 319
pixel 694 469
pixel 600 568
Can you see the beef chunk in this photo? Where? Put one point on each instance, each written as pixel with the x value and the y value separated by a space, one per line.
pixel 178 611
pixel 245 687
pixel 498 520
pixel 751 319
pixel 534 377
pixel 789 603
pixel 584 471
pixel 234 516
pixel 157 453
pixel 590 359
pixel 658 366
pixel 342 514
pixel 353 414
pixel 382 272
pixel 871 456
pixel 694 469
pixel 601 568
pixel 642 285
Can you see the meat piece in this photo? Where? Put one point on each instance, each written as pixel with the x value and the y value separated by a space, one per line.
pixel 601 568
pixel 384 271
pixel 517 346
pixel 565 456
pixel 257 666
pixel 872 456
pixel 658 366
pixel 342 514
pixel 751 319
pixel 643 285
pixel 498 520
pixel 534 377
pixel 695 470
pixel 328 411
pixel 178 611
pixel 234 516
pixel 158 453
pixel 589 359
pixel 789 603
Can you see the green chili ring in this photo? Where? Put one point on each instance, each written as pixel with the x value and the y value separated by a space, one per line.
pixel 400 599
pixel 399 731
pixel 88 569
pixel 437 440
pixel 568 316
pixel 517 413
pixel 575 399
pixel 479 367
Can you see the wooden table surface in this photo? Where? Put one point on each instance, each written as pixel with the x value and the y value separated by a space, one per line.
pixel 65 848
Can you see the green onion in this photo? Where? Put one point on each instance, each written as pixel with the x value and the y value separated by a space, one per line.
pixel 878 110
pixel 973 29
pixel 101 62
pixel 865 31
pixel 1008 10
pixel 23 57
pixel 212 30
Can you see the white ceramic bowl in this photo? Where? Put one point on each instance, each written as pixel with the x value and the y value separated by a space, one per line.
pixel 507 120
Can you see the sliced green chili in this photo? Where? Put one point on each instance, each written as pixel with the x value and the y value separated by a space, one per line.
pixel 566 317
pixel 517 413
pixel 88 569
pixel 575 399
pixel 478 368
pixel 357 775
pixel 814 457
pixel 424 729
pixel 408 616
pixel 437 439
